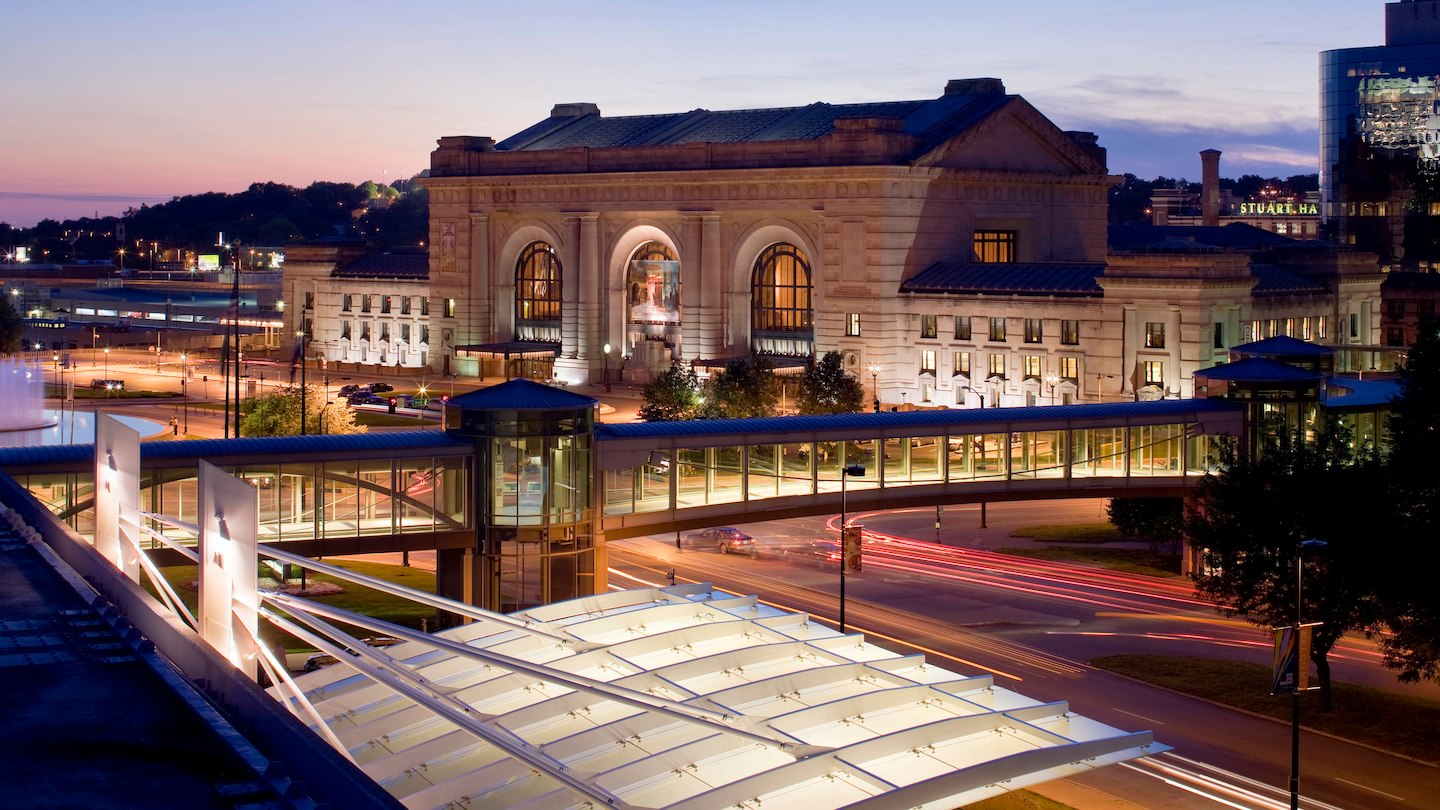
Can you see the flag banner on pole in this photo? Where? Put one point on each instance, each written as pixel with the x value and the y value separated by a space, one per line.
pixel 1290 671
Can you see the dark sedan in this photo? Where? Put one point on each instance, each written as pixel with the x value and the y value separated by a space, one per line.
pixel 726 540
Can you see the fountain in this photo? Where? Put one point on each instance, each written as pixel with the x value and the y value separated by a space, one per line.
pixel 26 422
pixel 22 396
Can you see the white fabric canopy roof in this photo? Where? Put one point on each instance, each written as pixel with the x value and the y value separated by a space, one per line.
pixel 684 697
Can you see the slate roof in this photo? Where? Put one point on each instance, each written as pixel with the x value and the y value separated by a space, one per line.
pixel 414 266
pixel 1235 236
pixel 1259 369
pixel 522 395
pixel 915 420
pixel 1032 278
pixel 931 121
pixel 1273 280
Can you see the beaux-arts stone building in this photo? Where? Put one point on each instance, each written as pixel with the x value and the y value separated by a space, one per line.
pixel 954 249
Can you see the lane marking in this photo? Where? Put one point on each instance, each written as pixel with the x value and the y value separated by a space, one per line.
pixel 1142 717
pixel 1372 790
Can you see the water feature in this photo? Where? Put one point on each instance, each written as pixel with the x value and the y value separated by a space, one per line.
pixel 22 395
pixel 26 422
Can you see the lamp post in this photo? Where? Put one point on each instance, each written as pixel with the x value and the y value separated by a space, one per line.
pixel 875 384
pixel 606 350
pixel 300 335
pixel 845 473
pixel 107 366
pixel 1053 379
pixel 1301 549
pixel 185 390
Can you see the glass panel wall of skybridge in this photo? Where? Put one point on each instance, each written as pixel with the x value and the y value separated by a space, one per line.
pixel 926 460
pixel 977 457
pixel 1156 449
pixel 1037 454
pixel 1097 453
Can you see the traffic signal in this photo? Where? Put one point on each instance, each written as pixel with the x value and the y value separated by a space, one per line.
pixel 851 546
pixel 393 402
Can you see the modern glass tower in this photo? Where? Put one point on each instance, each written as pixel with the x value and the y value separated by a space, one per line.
pixel 1380 139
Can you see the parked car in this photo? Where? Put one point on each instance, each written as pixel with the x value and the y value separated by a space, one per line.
pixel 366 398
pixel 726 540
pixel 818 553
pixel 381 387
pixel 350 390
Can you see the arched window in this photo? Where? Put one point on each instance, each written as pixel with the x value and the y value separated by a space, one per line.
pixel 537 293
pixel 782 321
pixel 653 289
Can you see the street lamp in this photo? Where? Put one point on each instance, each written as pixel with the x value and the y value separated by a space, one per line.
pixel 1303 548
pixel 856 470
pixel 1053 379
pixel 875 384
pixel 107 364
pixel 300 335
pixel 606 349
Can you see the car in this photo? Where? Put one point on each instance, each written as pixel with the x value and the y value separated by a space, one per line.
pixel 727 540
pixel 351 390
pixel 366 398
pixel 819 553
pixel 381 387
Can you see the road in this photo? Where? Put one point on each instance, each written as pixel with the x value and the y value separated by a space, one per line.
pixel 1034 625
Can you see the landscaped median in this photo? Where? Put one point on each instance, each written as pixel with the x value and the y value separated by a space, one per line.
pixel 1402 724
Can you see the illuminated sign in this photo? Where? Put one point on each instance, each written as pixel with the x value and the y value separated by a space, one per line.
pixel 208 262
pixel 1279 209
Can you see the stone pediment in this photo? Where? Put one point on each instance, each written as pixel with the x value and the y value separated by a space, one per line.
pixel 1014 138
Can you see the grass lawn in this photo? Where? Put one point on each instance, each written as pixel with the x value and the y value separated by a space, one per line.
pixel 1399 723
pixel 1077 533
pixel 1018 800
pixel 356 598
pixel 1128 560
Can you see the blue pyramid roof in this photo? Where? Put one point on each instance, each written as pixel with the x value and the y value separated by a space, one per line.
pixel 522 395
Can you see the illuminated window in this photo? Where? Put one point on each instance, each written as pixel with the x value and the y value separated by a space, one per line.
pixel 345 302
pixel 449 307
pixel 1070 333
pixel 384 305
pixel 1070 369
pixel 1031 363
pixel 1305 331
pixel 364 330
pixel 1154 335
pixel 425 306
pixel 405 332
pixel 1034 330
pixel 781 317
pixel 995 247
pixel 962 363
pixel 1320 327
pixel 1154 372
pixel 962 327
pixel 927 361
pixel 997 329
pixel 405 305
pixel 929 327
pixel 537 294
pixel 365 303
pixel 997 365
pixel 852 324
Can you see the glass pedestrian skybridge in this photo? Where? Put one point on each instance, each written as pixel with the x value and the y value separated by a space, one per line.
pixel 413 487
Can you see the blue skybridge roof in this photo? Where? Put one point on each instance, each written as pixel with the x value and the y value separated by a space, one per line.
pixel 272 448
pixel 920 422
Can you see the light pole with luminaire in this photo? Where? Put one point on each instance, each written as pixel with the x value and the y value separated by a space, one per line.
pixel 875 384
pixel 849 470
pixel 300 335
pixel 1303 548
pixel 606 350
pixel 1053 380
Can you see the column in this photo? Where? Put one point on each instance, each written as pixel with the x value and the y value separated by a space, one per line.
pixel 1129 357
pixel 479 323
pixel 692 288
pixel 713 274
pixel 570 288
pixel 589 334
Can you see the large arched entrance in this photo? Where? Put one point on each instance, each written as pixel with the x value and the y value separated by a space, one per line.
pixel 782 315
pixel 652 308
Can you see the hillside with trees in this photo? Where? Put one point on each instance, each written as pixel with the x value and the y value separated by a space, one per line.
pixel 269 214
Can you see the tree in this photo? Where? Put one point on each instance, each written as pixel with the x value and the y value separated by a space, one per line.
pixel 1157 520
pixel 278 414
pixel 827 388
pixel 745 387
pixel 12 328
pixel 1409 605
pixel 674 394
pixel 1249 522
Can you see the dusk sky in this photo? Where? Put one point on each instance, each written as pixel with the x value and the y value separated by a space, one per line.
pixel 109 105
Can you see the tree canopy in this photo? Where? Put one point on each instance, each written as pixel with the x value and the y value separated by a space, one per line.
pixel 278 414
pixel 827 388
pixel 745 387
pixel 1251 518
pixel 12 327
pixel 673 395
